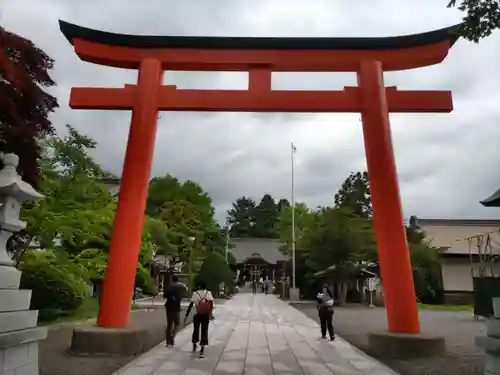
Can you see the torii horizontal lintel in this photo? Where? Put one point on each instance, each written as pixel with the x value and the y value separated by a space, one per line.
pixel 173 99
pixel 242 53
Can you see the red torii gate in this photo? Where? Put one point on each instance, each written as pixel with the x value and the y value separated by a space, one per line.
pixel 368 57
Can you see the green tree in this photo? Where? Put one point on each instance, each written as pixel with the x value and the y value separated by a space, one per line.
pixel 354 194
pixel 304 221
pixel 78 209
pixel 266 217
pixel 242 218
pixel 282 203
pixel 215 271
pixel 426 263
pixel 163 239
pixel 186 211
pixel 69 156
pixel 168 189
pixel 181 217
pixel 341 238
pixel 481 18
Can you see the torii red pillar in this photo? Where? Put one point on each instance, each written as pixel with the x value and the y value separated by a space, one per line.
pixel 368 57
pixel 127 230
pixel 394 257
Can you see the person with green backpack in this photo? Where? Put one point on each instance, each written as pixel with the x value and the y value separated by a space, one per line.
pixel 203 301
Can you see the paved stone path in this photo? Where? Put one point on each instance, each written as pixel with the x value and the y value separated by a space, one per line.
pixel 258 335
pixel 156 303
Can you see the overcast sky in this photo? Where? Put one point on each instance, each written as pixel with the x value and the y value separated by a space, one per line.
pixel 446 162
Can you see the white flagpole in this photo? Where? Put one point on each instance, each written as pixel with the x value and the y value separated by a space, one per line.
pixel 293 215
pixel 227 240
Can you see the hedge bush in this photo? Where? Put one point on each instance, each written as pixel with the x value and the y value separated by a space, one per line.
pixel 215 271
pixel 144 281
pixel 58 286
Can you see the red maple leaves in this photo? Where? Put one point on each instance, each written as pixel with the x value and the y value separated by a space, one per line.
pixel 24 105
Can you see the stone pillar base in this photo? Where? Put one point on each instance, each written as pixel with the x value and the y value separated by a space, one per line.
pixel 405 346
pixel 97 341
pixel 294 294
pixel 19 351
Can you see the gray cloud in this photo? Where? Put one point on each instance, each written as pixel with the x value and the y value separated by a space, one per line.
pixel 446 162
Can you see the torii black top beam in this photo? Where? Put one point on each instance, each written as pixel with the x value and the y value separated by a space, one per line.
pixel 72 32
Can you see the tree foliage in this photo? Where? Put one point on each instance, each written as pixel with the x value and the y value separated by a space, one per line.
pixel 266 217
pixel 354 194
pixel 184 224
pixel 242 217
pixel 340 240
pixel 78 209
pixel 24 105
pixel 168 188
pixel 305 220
pixel 481 18
pixel 282 204
pixel 215 271
pixel 72 226
pixel 248 219
pixel 426 264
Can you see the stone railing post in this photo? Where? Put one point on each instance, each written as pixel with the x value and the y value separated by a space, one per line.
pixel 491 343
pixel 19 334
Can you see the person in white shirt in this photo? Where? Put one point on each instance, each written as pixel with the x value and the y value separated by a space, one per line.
pixel 325 310
pixel 203 301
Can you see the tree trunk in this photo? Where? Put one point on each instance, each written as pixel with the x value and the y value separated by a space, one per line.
pixel 344 290
pixel 341 291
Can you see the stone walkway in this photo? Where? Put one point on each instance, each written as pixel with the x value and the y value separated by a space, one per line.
pixel 156 303
pixel 258 335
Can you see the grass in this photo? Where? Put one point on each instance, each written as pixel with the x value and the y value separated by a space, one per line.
pixel 87 310
pixel 446 307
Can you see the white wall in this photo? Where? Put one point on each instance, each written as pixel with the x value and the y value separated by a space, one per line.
pixel 457 275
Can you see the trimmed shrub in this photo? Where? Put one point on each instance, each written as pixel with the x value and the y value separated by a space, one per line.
pixel 144 281
pixel 215 271
pixel 58 287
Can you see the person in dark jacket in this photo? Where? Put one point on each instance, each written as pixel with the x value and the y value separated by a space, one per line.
pixel 203 301
pixel 325 311
pixel 173 295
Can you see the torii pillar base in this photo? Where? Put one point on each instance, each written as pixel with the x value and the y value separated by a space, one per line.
pixel 404 346
pixel 91 340
pixel 294 294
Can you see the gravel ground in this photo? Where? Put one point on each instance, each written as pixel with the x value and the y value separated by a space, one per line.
pixel 459 328
pixel 54 360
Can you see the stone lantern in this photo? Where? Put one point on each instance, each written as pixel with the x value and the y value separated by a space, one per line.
pixel 19 334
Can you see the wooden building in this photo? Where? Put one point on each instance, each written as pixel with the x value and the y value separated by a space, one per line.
pixel 258 258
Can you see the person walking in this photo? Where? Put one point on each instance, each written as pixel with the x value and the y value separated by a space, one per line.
pixel 325 311
pixel 203 301
pixel 173 295
pixel 254 286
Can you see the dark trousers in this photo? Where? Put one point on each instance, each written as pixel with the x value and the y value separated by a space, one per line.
pixel 326 320
pixel 200 323
pixel 173 321
pixel 254 288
